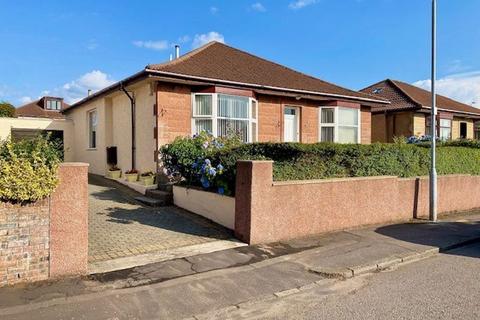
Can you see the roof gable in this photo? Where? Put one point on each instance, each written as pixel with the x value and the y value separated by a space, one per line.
pixel 406 96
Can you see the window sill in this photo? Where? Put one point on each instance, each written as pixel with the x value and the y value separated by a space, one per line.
pixel 91 149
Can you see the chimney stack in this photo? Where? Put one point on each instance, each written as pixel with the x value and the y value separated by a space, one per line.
pixel 89 92
pixel 177 51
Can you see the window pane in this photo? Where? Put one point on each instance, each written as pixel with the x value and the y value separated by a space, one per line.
pixel 347 117
pixel 227 127
pixel 445 123
pixel 203 125
pixel 347 134
pixel 92 124
pixel 445 133
pixel 232 107
pixel 289 111
pixel 254 109
pixel 327 134
pixel 203 105
pixel 328 115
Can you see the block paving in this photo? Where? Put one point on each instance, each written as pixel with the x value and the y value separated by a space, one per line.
pixel 121 227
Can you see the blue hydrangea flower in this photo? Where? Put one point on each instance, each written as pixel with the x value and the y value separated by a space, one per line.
pixel 205 182
pixel 221 190
pixel 220 167
pixel 194 165
pixel 212 171
pixel 207 162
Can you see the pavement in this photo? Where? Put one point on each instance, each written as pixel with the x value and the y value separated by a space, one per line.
pixel 124 233
pixel 235 278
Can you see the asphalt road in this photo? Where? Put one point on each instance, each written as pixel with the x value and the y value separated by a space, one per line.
pixel 446 286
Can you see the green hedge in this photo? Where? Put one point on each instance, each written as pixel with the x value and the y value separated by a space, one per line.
pixel 28 169
pixel 296 161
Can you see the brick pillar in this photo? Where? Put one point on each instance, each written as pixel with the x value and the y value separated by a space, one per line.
pixel 69 222
pixel 253 181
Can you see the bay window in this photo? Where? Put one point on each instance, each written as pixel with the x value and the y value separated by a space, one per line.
pixel 339 124
pixel 223 115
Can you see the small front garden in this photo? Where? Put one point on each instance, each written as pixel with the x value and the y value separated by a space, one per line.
pixel 210 163
pixel 28 169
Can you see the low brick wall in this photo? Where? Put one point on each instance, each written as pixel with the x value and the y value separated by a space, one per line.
pixel 268 211
pixel 49 238
pixel 24 242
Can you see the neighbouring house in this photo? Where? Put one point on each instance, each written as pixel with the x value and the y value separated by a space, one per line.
pixel 408 113
pixel 219 89
pixel 41 116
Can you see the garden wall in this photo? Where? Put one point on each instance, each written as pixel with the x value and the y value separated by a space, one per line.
pixel 268 211
pixel 49 238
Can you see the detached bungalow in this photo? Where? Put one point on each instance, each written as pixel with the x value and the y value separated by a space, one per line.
pixel 408 113
pixel 41 116
pixel 215 88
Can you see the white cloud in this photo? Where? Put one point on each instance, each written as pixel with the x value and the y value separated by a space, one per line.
pixel 154 45
pixel 258 7
pixel 464 87
pixel 77 89
pixel 299 4
pixel 92 45
pixel 201 39
pixel 213 10
pixel 25 100
pixel 184 39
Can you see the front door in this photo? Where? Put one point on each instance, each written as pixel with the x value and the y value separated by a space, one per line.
pixel 463 130
pixel 290 125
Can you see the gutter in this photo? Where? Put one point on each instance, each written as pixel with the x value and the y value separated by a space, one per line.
pixel 132 108
pixel 333 95
pixel 455 111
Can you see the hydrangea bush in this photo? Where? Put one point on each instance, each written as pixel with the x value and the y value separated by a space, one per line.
pixel 191 160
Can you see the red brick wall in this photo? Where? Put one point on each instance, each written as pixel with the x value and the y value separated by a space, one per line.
pixel 366 125
pixel 24 242
pixel 270 118
pixel 267 211
pixel 47 238
pixel 174 103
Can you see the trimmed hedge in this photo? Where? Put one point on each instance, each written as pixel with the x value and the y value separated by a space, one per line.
pixel 28 169
pixel 296 161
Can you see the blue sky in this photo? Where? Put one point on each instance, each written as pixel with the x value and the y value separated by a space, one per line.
pixel 66 47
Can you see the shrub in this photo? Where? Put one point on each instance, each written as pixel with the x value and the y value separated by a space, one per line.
pixel 190 160
pixel 28 169
pixel 6 109
pixel 296 161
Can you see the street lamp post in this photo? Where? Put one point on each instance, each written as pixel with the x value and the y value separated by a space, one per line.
pixel 433 127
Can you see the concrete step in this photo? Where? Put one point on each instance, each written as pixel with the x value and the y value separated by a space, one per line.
pixel 159 194
pixel 153 202
pixel 166 186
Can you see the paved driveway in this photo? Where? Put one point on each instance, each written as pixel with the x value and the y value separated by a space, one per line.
pixel 120 227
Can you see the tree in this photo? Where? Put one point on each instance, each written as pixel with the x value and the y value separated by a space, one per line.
pixel 6 109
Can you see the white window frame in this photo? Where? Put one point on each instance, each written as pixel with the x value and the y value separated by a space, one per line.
pixel 89 147
pixel 214 116
pixel 335 123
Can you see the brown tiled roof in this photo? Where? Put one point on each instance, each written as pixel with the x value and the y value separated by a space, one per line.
pixel 35 109
pixel 221 62
pixel 404 96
